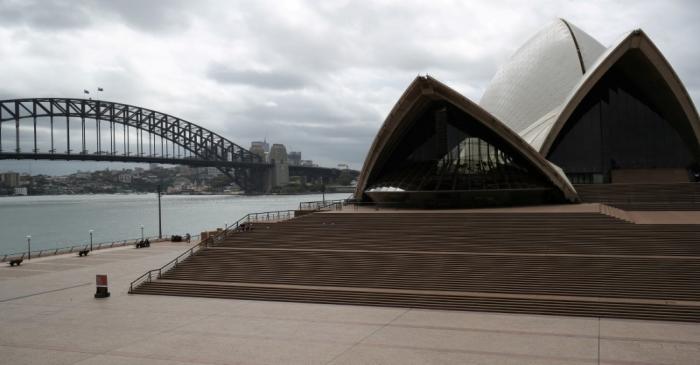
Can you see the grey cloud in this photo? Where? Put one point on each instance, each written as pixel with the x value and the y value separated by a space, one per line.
pixel 322 127
pixel 319 77
pixel 263 79
pixel 44 15
pixel 149 16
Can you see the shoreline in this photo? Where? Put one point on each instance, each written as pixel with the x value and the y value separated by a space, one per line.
pixel 177 194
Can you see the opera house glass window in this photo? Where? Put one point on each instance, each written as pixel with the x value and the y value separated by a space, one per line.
pixel 446 149
pixel 625 122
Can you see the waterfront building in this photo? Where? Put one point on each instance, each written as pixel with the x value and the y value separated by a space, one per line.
pixel 212 172
pixel 124 178
pixel 11 179
pixel 307 163
pixel 181 184
pixel 23 191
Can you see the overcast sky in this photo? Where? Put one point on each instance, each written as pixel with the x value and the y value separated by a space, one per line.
pixel 317 78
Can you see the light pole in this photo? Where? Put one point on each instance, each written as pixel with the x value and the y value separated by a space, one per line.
pixel 160 227
pixel 142 232
pixel 91 239
pixel 29 247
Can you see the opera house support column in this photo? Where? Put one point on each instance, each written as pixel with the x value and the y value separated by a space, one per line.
pixel 441 132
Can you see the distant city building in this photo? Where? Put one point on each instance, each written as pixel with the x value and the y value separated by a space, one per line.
pixel 306 163
pixel 213 171
pixel 181 184
pixel 343 166
pixel 185 170
pixel 263 144
pixel 10 179
pixel 294 158
pixel 205 172
pixel 21 191
pixel 280 170
pixel 259 150
pixel 124 178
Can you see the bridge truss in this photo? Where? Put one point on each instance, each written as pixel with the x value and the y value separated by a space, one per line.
pixel 46 128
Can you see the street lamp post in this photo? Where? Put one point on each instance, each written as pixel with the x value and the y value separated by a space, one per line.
pixel 29 247
pixel 142 232
pixel 160 227
pixel 91 239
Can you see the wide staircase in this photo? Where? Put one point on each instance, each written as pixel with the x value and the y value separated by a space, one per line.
pixel 581 264
pixel 643 197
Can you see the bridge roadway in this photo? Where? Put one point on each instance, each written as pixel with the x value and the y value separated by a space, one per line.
pixel 49 316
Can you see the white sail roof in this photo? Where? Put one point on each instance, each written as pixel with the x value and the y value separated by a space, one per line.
pixel 540 75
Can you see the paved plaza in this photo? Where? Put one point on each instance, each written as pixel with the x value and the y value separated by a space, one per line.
pixel 48 316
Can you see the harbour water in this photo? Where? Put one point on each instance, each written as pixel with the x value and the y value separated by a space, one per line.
pixel 58 221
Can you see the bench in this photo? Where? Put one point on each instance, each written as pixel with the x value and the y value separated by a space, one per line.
pixel 84 252
pixel 16 262
pixel 245 226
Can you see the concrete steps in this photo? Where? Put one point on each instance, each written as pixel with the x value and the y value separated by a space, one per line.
pixel 430 301
pixel 650 278
pixel 643 197
pixel 584 264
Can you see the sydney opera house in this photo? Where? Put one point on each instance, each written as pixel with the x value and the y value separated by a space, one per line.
pixel 563 110
pixel 572 188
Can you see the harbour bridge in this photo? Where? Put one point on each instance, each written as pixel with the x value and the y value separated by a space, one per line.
pixel 96 130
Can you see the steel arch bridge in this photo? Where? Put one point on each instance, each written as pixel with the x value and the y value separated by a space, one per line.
pixel 118 136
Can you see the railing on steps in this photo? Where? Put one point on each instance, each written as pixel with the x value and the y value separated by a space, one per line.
pixel 272 216
pixel 148 276
pixel 321 204
pixel 238 226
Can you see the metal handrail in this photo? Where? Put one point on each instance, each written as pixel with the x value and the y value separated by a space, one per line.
pixel 149 274
pixel 356 204
pixel 270 216
pixel 276 216
pixel 335 205
pixel 315 205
